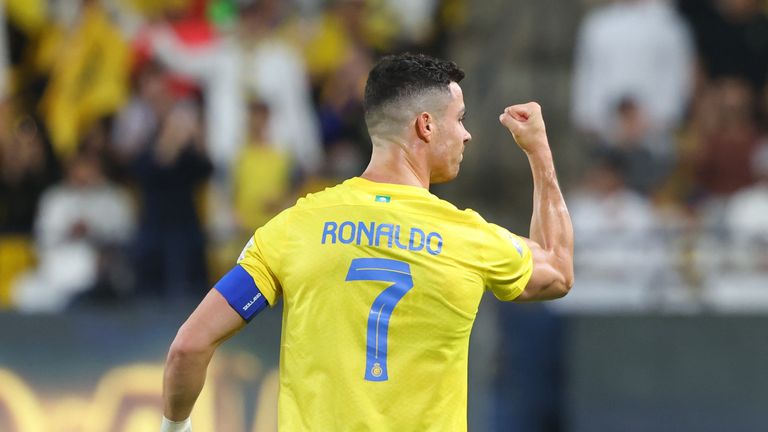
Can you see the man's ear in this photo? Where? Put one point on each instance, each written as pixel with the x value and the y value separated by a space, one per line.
pixel 425 126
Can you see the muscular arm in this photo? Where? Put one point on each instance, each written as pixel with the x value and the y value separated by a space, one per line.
pixel 213 322
pixel 551 236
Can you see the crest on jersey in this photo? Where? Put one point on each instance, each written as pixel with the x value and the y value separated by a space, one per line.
pixel 516 243
pixel 247 245
pixel 376 370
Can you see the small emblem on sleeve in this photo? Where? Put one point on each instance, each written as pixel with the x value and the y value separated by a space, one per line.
pixel 383 198
pixel 245 249
pixel 516 244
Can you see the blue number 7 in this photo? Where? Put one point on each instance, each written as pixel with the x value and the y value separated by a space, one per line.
pixel 385 270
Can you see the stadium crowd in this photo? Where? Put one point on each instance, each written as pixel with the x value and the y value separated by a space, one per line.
pixel 672 99
pixel 142 141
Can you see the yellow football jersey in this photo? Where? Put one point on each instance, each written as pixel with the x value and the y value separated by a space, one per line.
pixel 381 285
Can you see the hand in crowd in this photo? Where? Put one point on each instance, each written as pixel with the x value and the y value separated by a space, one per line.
pixel 181 129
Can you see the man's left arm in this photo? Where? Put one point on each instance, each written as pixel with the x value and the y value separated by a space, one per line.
pixel 251 286
pixel 213 322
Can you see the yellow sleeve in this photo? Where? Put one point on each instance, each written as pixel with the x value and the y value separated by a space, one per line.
pixel 262 256
pixel 508 263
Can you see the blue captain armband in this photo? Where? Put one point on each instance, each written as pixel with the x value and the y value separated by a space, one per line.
pixel 241 293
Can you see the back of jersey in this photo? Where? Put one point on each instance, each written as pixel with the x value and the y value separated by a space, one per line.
pixel 381 285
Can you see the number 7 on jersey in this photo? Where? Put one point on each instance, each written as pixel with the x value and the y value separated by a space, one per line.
pixel 384 270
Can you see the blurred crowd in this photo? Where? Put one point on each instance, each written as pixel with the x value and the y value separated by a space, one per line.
pixel 142 141
pixel 672 98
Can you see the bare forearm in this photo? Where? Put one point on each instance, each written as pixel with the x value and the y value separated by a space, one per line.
pixel 183 381
pixel 209 325
pixel 550 222
pixel 551 236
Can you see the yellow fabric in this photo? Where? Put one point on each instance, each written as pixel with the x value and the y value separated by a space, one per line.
pixel 154 8
pixel 261 182
pixel 454 13
pixel 29 15
pixel 326 326
pixel 327 49
pixel 89 77
pixel 328 45
pixel 16 256
pixel 381 26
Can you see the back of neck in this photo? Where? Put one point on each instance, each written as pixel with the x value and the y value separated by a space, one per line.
pixel 393 164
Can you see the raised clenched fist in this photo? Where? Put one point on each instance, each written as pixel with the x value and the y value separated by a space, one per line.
pixel 526 124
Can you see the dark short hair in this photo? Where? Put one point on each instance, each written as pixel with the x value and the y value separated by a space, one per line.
pixel 406 75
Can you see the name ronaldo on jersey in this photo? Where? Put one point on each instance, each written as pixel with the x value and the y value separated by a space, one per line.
pixel 382 235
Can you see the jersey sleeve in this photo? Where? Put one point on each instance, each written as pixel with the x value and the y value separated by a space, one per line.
pixel 508 262
pixel 259 264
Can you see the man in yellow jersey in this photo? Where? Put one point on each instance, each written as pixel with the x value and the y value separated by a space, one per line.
pixel 380 279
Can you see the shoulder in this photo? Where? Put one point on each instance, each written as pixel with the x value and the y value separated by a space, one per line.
pixel 328 195
pixel 474 228
pixel 465 216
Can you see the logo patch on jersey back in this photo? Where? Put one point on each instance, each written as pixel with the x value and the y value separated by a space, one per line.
pixel 383 198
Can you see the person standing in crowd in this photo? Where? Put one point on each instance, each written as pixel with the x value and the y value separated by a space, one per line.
pixel 79 219
pixel 170 245
pixel 639 49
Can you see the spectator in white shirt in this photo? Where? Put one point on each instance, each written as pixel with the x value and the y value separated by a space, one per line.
pixel 77 218
pixel 632 48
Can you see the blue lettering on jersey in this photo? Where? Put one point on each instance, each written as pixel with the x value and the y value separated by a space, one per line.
pixel 384 230
pixel 397 238
pixel 381 235
pixel 350 228
pixel 329 230
pixel 439 240
pixel 412 246
pixel 368 230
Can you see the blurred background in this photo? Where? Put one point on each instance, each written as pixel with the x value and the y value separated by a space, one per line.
pixel 142 142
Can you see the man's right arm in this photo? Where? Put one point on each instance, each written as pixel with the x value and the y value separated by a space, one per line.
pixel 551 235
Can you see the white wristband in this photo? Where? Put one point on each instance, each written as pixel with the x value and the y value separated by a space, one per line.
pixel 172 426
